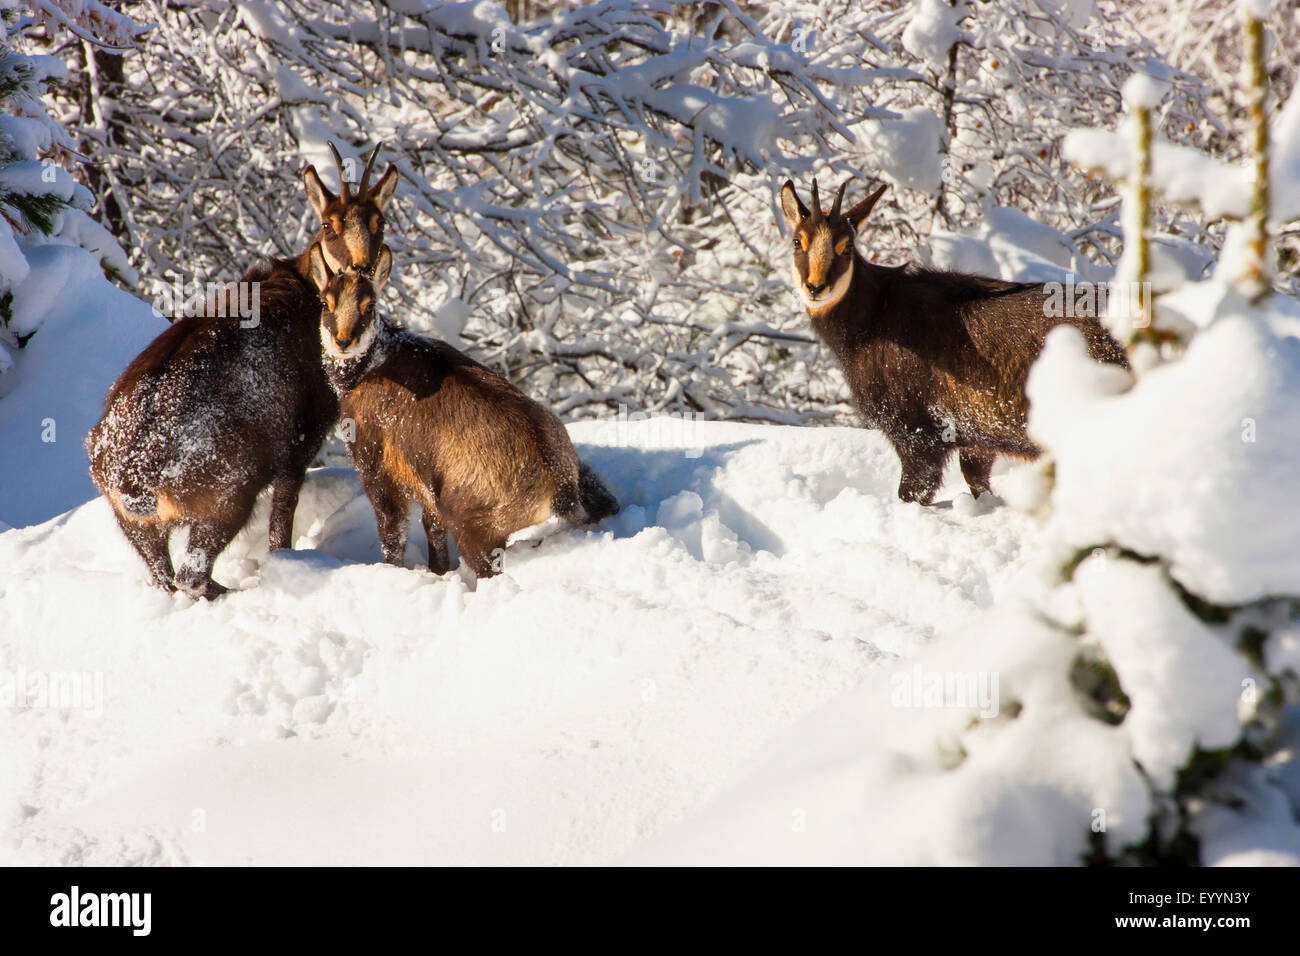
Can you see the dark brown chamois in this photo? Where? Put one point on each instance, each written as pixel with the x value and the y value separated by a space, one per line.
pixel 216 409
pixel 935 360
pixel 482 459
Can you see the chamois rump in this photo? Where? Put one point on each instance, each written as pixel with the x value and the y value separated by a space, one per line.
pixel 212 412
pixel 431 425
pixel 935 360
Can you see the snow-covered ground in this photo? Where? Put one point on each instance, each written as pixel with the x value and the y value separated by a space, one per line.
pixel 610 684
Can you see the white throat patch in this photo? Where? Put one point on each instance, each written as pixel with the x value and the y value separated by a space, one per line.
pixel 353 351
pixel 828 299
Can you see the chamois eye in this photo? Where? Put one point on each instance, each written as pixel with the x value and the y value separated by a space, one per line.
pixel 326 228
pixel 797 244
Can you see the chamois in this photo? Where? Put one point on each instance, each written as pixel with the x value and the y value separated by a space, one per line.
pixel 215 410
pixel 935 360
pixel 433 426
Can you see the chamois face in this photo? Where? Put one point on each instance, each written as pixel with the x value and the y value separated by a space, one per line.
pixel 822 244
pixel 348 299
pixel 352 222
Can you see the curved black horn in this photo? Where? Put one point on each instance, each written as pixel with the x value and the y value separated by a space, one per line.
pixel 365 176
pixel 839 198
pixel 816 214
pixel 338 163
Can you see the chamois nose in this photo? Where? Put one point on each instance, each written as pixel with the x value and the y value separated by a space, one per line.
pixel 344 341
pixel 814 289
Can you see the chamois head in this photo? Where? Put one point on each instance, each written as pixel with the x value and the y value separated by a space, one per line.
pixel 347 319
pixel 352 223
pixel 823 243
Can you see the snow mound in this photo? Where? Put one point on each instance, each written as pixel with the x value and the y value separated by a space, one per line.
pixel 1227 525
pixel 883 778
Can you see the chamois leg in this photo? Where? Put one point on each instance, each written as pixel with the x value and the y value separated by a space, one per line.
pixel 149 538
pixel 976 465
pixel 435 532
pixel 483 551
pixel 389 501
pixel 390 515
pixel 922 470
pixel 284 502
pixel 207 540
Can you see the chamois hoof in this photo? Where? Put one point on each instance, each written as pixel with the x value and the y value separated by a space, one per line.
pixel 912 493
pixel 201 591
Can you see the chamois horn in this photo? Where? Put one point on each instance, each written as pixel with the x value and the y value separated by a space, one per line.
pixel 338 164
pixel 365 176
pixel 839 197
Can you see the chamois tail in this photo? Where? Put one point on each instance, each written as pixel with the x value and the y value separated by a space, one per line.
pixel 594 495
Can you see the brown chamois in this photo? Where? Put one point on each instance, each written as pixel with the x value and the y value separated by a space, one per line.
pixel 482 459
pixel 935 360
pixel 214 410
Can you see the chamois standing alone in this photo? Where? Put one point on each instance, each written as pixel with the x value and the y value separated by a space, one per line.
pixel 433 426
pixel 212 412
pixel 935 360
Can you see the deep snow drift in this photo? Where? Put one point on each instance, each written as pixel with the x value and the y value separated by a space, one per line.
pixel 608 685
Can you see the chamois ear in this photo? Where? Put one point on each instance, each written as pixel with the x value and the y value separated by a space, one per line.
pixel 794 209
pixel 318 268
pixel 858 214
pixel 383 190
pixel 318 194
pixel 383 266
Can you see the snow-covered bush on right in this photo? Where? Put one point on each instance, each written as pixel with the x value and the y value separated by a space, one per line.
pixel 1141 702
pixel 1170 502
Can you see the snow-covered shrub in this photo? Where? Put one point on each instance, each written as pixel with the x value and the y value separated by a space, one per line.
pixel 40 202
pixel 1188 585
